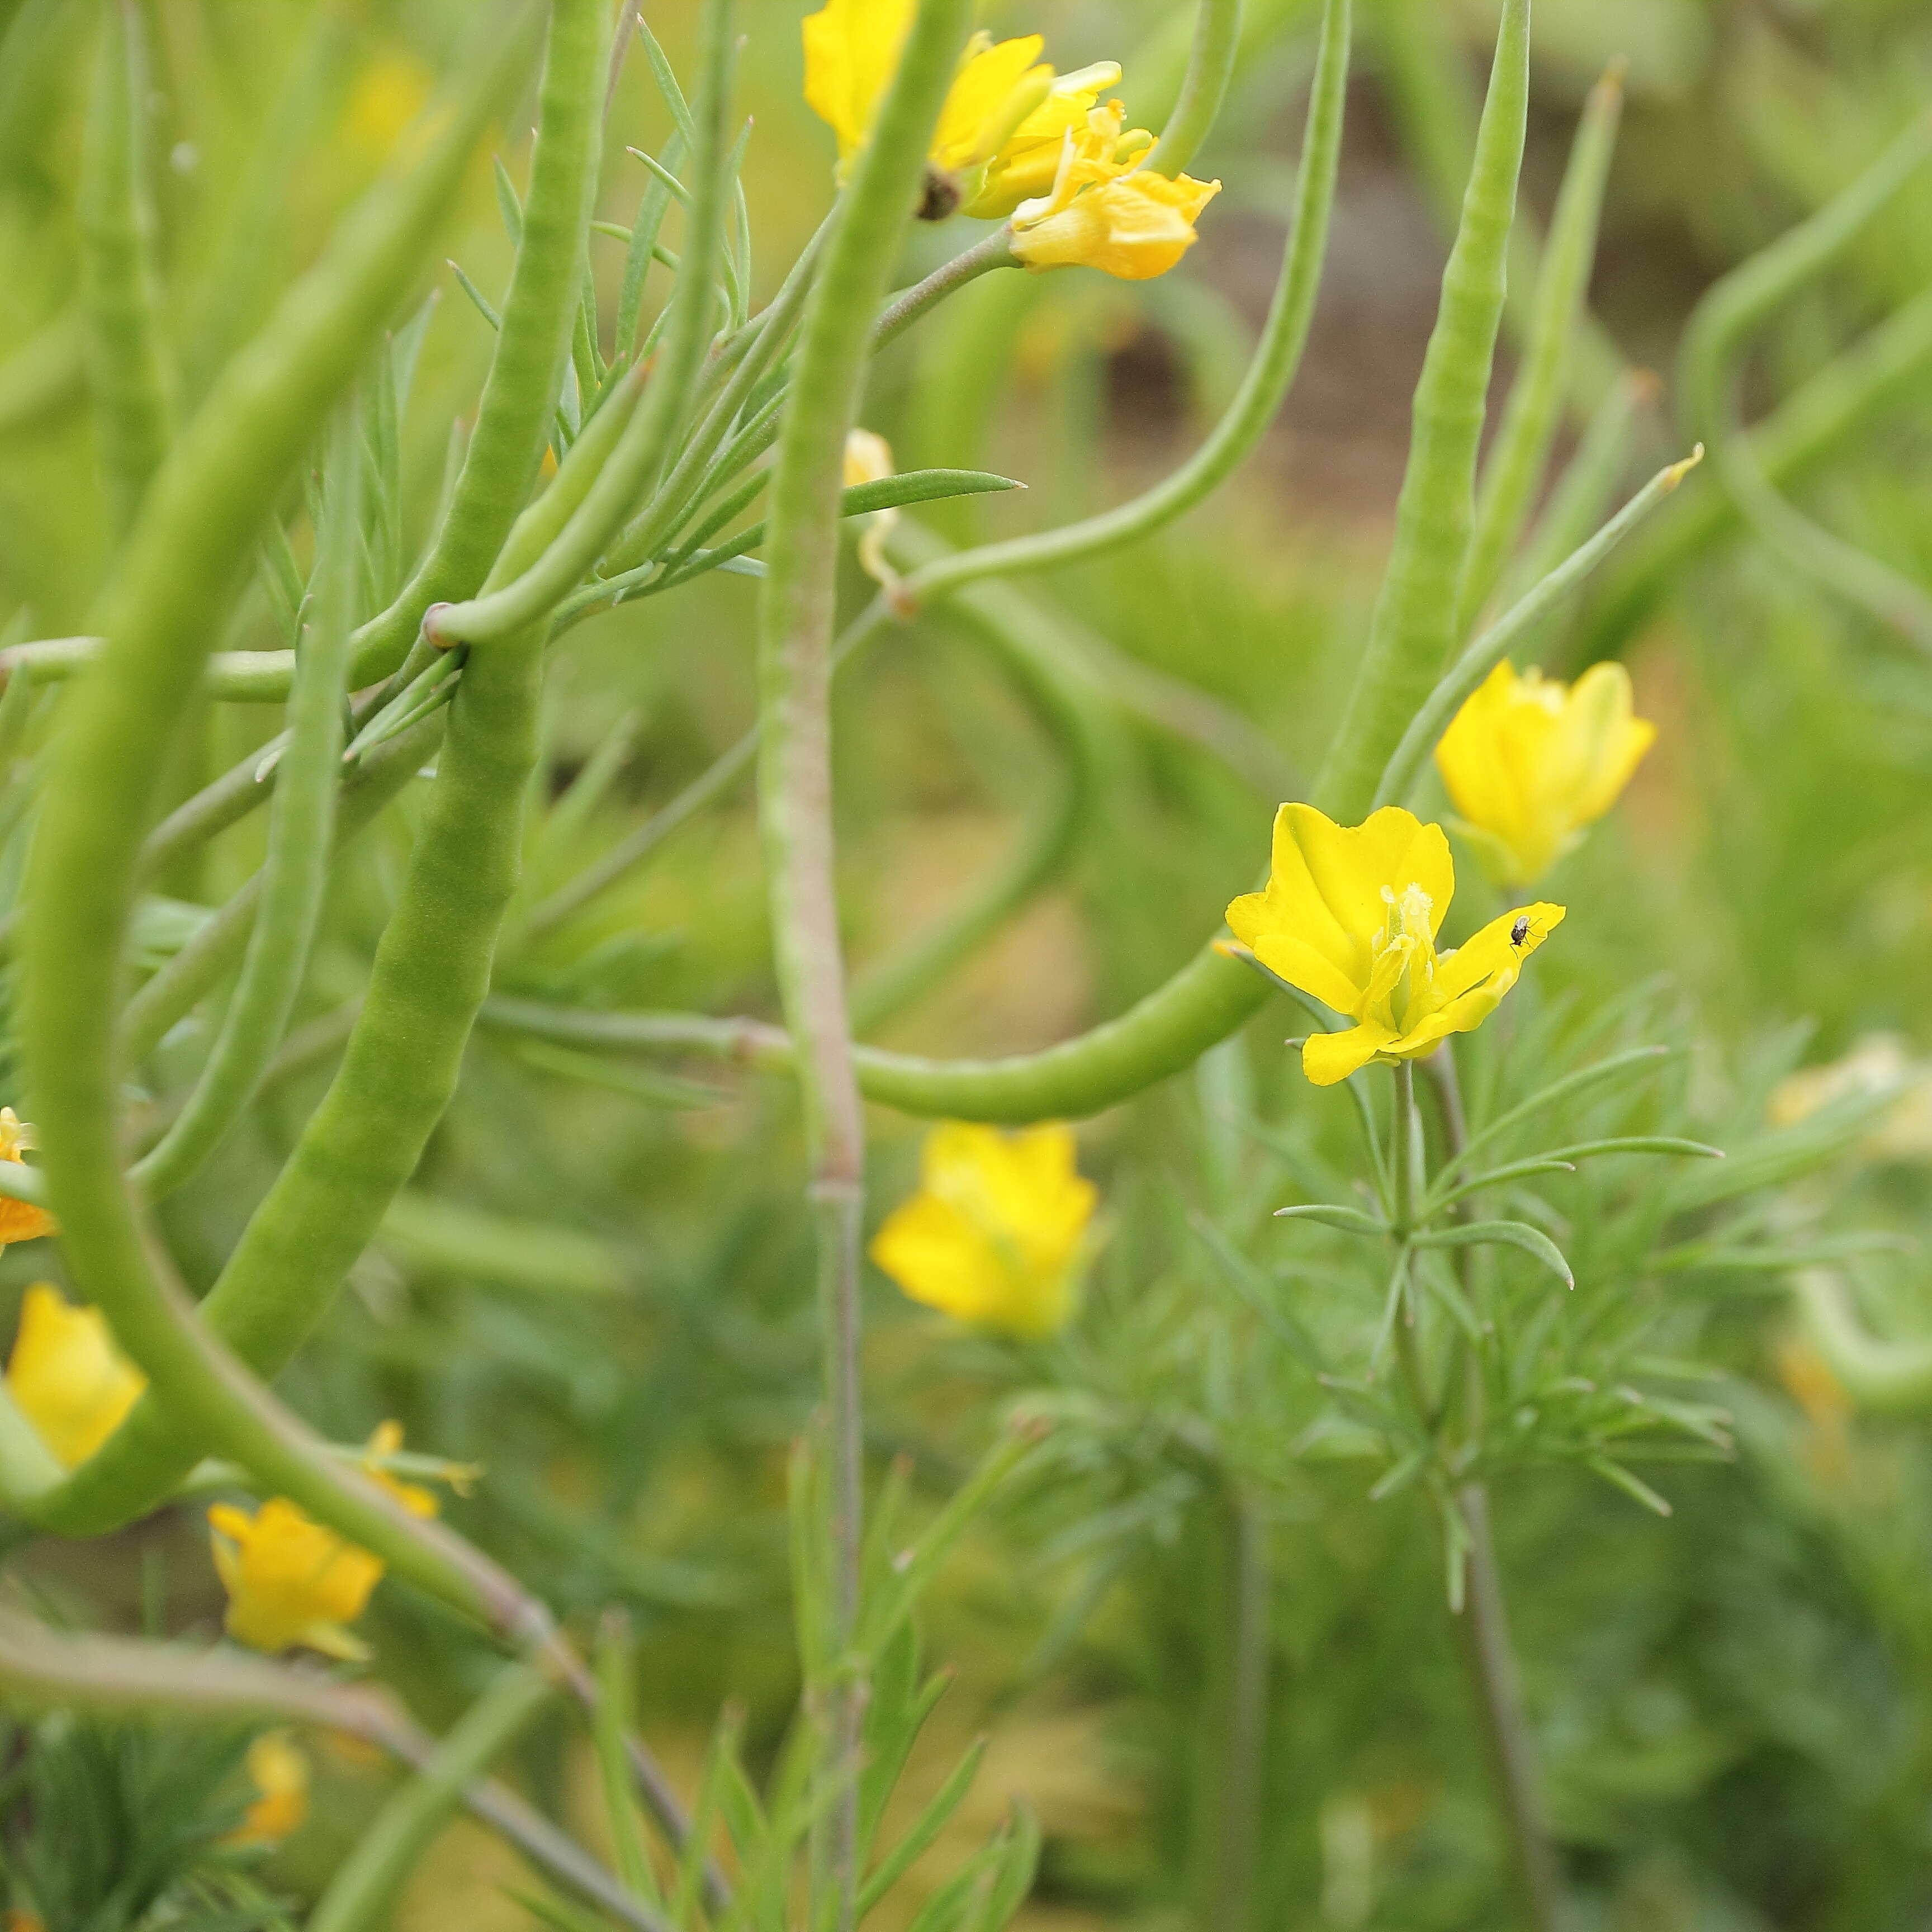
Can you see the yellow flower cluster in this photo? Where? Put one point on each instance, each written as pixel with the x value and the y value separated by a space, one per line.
pixel 995 1235
pixel 292 1582
pixel 1015 138
pixel 1350 916
pixel 20 1220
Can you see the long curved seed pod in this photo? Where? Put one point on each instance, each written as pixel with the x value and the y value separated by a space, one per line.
pixel 513 605
pixel 363 1891
pixel 1530 418
pixel 1256 403
pixel 1426 80
pixel 1482 657
pixel 127 373
pixel 1725 316
pixel 301 827
pixel 196 529
pixel 1211 66
pixel 514 418
pixel 217 949
pixel 1413 630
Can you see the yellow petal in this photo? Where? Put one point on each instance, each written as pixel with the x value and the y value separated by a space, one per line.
pixel 66 1377
pixel 851 49
pixel 981 108
pixel 1328 1058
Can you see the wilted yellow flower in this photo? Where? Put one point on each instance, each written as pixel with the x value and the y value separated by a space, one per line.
pixel 1350 916
pixel 1880 1063
pixel 279 1770
pixel 994 1235
pixel 20 1220
pixel 289 1580
pixel 1531 763
pixel 869 459
pixel 1105 212
pixel 1005 106
pixel 66 1377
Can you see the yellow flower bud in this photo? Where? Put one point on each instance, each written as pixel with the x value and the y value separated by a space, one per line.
pixel 66 1377
pixel 869 459
pixel 995 1233
pixel 1530 763
pixel 1350 916
pixel 1103 211
pixel 279 1771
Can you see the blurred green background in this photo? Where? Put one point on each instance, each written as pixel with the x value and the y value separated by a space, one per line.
pixel 1733 1703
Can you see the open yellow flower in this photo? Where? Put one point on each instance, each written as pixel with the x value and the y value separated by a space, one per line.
pixel 994 1235
pixel 278 1769
pixel 1105 212
pixel 291 1581
pixel 1350 916
pixel 66 1377
pixel 1531 763
pixel 1006 108
pixel 20 1220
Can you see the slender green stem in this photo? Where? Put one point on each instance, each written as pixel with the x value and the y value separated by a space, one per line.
pixel 1269 376
pixel 1210 67
pixel 1724 319
pixel 1483 1623
pixel 795 628
pixel 364 1890
pixel 127 374
pixel 1514 469
pixel 1439 710
pixel 1250 1636
pixel 1413 628
pixel 302 829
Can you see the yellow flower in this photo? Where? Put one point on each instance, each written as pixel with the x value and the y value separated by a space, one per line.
pixel 1530 763
pixel 20 1220
pixel 994 1235
pixel 289 1580
pixel 279 1771
pixel 1004 109
pixel 387 96
pixel 1878 1063
pixel 869 459
pixel 1103 211
pixel 66 1377
pixel 1350 917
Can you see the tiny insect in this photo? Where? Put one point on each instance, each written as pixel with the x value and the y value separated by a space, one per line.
pixel 1520 931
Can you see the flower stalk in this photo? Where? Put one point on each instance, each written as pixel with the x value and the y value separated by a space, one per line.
pixel 796 616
